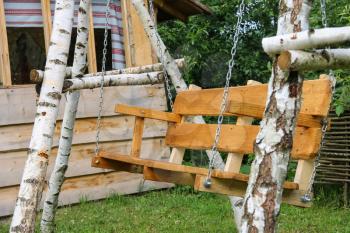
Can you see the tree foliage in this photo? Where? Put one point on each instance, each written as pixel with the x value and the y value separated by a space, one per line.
pixel 206 41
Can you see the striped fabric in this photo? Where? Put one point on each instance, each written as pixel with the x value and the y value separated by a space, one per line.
pixel 27 13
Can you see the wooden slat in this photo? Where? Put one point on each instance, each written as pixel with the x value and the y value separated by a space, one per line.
pixel 316 99
pixel 115 128
pixel 5 70
pixel 234 160
pixel 137 137
pixel 160 175
pixel 47 22
pixel 138 50
pixel 12 163
pixel 180 168
pixel 257 111
pixel 91 187
pixel 147 113
pixel 236 188
pixel 23 100
pixel 91 55
pixel 237 139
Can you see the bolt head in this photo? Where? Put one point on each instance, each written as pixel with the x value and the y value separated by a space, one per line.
pixel 207 183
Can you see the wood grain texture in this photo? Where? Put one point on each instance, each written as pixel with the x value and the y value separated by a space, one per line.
pixel 147 113
pixel 137 137
pixel 113 128
pixel 237 138
pixel 5 71
pixel 47 22
pixel 91 187
pixel 237 188
pixel 91 55
pixel 23 102
pixel 12 163
pixel 316 99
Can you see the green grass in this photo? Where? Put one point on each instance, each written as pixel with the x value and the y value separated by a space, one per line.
pixel 183 210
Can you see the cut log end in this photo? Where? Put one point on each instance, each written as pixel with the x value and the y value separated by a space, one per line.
pixel 35 76
pixel 284 60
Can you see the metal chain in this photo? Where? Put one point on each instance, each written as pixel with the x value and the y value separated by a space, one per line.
pixel 307 197
pixel 214 149
pixel 103 71
pixel 166 77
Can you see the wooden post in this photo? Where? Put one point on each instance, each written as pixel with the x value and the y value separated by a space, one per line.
pixel 5 69
pixel 92 64
pixel 47 22
pixel 274 141
pixel 33 179
pixel 138 50
pixel 67 129
pixel 137 137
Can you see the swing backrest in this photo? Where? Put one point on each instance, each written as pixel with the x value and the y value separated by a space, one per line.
pixel 247 101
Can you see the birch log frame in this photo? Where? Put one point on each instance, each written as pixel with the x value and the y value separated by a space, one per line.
pixel 274 141
pixel 296 60
pixel 36 76
pixel 319 38
pixel 113 80
pixel 65 143
pixel 33 179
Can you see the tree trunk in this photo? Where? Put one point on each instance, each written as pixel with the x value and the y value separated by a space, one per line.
pixel 296 60
pixel 275 139
pixel 319 38
pixel 66 137
pixel 113 80
pixel 36 76
pixel 33 179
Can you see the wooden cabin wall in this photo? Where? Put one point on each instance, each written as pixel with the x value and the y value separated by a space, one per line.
pixel 17 110
pixel 17 113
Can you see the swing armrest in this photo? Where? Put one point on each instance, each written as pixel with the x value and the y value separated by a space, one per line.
pixel 148 113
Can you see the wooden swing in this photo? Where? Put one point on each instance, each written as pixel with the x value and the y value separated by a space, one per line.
pixel 247 103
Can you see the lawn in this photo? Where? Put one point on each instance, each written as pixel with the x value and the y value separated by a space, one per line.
pixel 183 210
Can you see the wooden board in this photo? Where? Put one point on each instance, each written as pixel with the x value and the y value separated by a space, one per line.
pixel 5 71
pixel 177 168
pixel 91 187
pixel 12 163
pixel 316 99
pixel 47 22
pixel 23 100
pixel 114 128
pixel 236 188
pixel 138 49
pixel 147 113
pixel 91 54
pixel 257 111
pixel 237 138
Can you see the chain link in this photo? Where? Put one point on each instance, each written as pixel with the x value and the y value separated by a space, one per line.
pixel 214 149
pixel 307 197
pixel 103 71
pixel 166 76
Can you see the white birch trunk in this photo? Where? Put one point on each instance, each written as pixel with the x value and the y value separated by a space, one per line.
pixel 159 47
pixel 33 179
pixel 66 137
pixel 113 80
pixel 36 76
pixel 275 139
pixel 319 38
pixel 296 60
pixel 177 80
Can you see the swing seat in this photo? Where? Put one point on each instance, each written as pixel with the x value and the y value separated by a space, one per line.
pixel 237 140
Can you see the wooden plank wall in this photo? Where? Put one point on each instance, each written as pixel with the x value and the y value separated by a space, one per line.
pixel 17 111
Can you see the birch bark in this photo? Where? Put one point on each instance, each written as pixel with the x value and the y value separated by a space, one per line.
pixel 275 139
pixel 113 80
pixel 66 137
pixel 307 39
pixel 33 179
